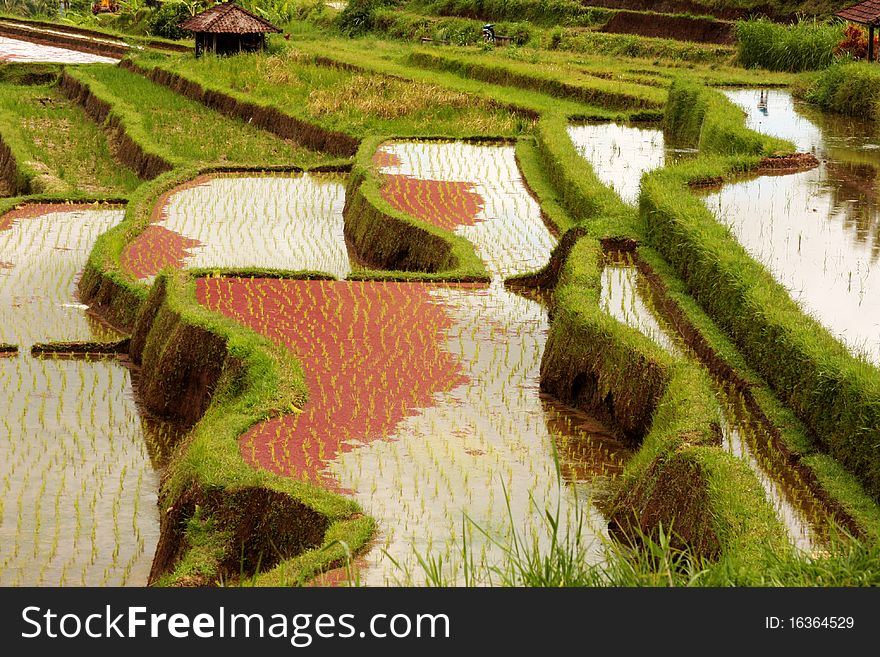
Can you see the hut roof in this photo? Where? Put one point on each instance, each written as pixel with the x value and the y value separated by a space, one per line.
pixel 866 13
pixel 228 18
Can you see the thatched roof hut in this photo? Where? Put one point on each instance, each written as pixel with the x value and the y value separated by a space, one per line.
pixel 227 29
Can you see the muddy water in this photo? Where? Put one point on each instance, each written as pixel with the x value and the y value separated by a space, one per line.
pixel 627 297
pixel 485 450
pixel 818 232
pixel 16 50
pixel 620 154
pixel 78 501
pixel 291 222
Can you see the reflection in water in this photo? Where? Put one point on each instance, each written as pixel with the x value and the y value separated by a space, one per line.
pixel 492 436
pixel 626 297
pixel 509 236
pixel 818 231
pixel 485 449
pixel 620 154
pixel 78 501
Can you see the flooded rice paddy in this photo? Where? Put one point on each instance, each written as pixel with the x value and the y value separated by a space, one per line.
pixel 507 230
pixel 78 502
pixel 818 231
pixel 483 445
pixel 627 297
pixel 289 221
pixel 16 50
pixel 620 154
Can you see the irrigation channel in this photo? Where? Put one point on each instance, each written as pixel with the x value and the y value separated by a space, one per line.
pixel 16 50
pixel 432 388
pixel 78 501
pixel 629 298
pixel 818 232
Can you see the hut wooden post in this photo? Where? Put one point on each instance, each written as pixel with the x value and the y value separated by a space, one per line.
pixel 226 29
pixel 871 42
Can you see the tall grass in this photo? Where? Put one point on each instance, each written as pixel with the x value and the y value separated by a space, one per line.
pixel 807 45
pixel 848 88
pixel 657 562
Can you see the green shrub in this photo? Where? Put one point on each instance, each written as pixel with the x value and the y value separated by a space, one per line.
pixel 848 88
pixel 806 45
pixel 165 21
pixel 359 16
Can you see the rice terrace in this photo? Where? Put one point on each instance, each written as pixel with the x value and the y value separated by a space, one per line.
pixel 440 293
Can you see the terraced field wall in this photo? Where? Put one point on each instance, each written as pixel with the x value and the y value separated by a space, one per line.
pixel 835 394
pixel 264 116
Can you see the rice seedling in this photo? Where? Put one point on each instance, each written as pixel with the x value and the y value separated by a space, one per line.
pixel 620 154
pixel 291 222
pixel 71 444
pixel 433 412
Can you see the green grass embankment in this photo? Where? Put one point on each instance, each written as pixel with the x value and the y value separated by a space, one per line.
pixel 835 395
pixel 179 130
pixel 224 519
pixel 350 101
pixel 849 88
pixel 679 480
pixel 389 58
pixel 48 146
pixel 584 89
pixel 388 239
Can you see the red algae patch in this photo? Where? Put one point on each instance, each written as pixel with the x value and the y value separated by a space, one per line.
pixel 33 210
pixel 442 203
pixel 383 158
pixel 372 353
pixel 155 248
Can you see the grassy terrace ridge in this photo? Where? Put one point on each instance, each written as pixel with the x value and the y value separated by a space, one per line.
pixel 225 518
pixel 389 58
pixel 356 102
pixel 835 394
pixel 56 148
pixel 679 479
pixel 409 26
pixel 181 130
pixel 586 89
pixel 662 403
pixel 824 477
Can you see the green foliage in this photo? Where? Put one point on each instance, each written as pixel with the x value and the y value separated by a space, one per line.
pixel 700 117
pixel 165 21
pixel 851 88
pixel 540 12
pixel 358 16
pixel 807 45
